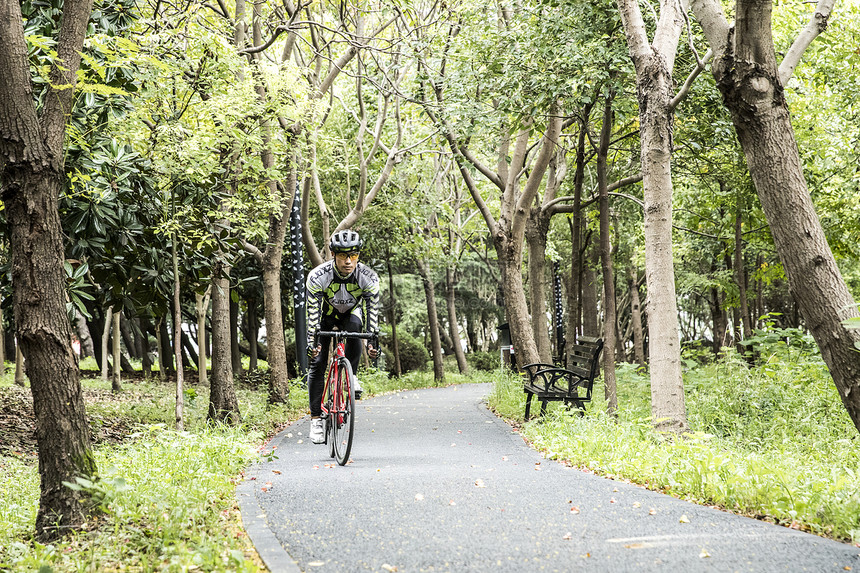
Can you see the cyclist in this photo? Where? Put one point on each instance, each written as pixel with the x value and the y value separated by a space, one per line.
pixel 336 290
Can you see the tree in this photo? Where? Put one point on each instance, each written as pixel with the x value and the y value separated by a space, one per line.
pixel 752 84
pixel 32 176
pixel 654 63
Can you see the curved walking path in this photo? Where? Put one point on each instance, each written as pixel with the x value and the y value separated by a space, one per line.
pixel 438 483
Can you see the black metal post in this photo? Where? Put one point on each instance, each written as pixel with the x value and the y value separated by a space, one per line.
pixel 299 300
pixel 559 310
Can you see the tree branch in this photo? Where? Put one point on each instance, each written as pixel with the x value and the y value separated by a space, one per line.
pixel 816 25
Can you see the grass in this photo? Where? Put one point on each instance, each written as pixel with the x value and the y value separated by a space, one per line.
pixel 771 440
pixel 167 498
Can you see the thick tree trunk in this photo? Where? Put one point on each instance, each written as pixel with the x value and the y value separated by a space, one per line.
pixel 29 194
pixel 654 62
pixel 223 404
pixel 516 306
pixel 575 300
pixel 536 233
pixel 433 323
pixel 609 327
pixel 752 92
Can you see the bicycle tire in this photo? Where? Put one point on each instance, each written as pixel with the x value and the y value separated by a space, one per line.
pixel 329 426
pixel 343 419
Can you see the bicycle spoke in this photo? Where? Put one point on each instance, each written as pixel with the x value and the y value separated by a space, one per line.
pixel 343 416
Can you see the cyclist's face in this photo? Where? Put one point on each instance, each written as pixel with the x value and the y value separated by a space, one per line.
pixel 345 262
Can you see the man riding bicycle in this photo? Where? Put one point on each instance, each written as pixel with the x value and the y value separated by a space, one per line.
pixel 335 290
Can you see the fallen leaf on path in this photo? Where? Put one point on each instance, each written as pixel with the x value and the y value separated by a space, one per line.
pixel 567 536
pixel 612 500
pixel 419 497
pixel 635 545
pixel 574 509
pixel 652 511
pixel 684 519
pixel 389 568
pixel 479 483
pixel 316 563
pixel 276 472
pixel 704 554
pixel 637 504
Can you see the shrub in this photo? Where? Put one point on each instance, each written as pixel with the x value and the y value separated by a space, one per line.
pixel 486 361
pixel 413 354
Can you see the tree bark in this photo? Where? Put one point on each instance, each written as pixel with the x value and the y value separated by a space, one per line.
pixel 235 353
pixel 223 404
pixel 536 232
pixel 433 323
pixel 116 377
pixel 654 63
pixel 20 368
pixel 392 318
pixel 740 273
pixel 105 342
pixel 179 415
pixel 453 325
pixel 609 319
pixel 202 304
pixel 636 317
pixel 32 175
pixel 752 86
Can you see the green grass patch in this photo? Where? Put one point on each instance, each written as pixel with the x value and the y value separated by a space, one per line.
pixel 167 497
pixel 770 440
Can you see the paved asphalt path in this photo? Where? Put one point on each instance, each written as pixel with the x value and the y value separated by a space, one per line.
pixel 438 483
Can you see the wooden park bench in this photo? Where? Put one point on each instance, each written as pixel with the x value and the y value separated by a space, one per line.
pixel 549 382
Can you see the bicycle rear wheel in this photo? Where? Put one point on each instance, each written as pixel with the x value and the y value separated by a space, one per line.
pixel 343 417
pixel 330 417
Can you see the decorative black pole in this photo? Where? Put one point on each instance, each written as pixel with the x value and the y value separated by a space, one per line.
pixel 299 282
pixel 559 311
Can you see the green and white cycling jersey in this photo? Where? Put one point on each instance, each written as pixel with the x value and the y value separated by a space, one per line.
pixel 331 295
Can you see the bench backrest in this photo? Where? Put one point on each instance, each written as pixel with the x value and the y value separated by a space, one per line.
pixel 584 358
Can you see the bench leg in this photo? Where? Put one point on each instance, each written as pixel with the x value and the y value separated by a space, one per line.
pixel 543 407
pixel 528 405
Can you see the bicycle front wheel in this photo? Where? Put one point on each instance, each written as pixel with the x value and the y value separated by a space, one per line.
pixel 343 420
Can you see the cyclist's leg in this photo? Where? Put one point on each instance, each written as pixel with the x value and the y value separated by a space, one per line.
pixel 354 346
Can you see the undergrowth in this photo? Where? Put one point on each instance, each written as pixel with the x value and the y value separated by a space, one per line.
pixel 771 440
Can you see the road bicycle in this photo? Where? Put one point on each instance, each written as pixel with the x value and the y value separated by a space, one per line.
pixel 338 399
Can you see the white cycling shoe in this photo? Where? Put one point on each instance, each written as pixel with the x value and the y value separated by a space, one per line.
pixel 317 436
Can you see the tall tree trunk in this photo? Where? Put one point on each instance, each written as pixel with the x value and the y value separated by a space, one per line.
pixel 179 414
pixel 159 342
pixel 718 317
pixel 116 378
pixel 740 271
pixel 536 232
pixel 575 300
pixel 32 176
pixel 235 352
pixel 223 404
pixel 453 325
pixel 20 368
pixel 83 333
pixel 636 317
pixel 609 327
pixel 105 340
pixel 253 328
pixel 654 63
pixel 392 318
pixel 590 310
pixel 202 304
pixel 3 346
pixel 433 323
pixel 752 86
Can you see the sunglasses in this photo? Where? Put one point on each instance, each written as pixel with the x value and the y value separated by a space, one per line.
pixel 345 256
